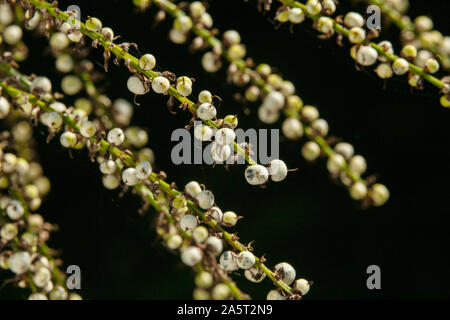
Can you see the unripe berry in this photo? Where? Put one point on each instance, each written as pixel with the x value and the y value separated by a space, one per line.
pixel 231 37
pixel 183 23
pixel 357 165
pixel 231 121
pixel 108 167
pixel 325 25
pixel 108 33
pixel 432 65
pixel 384 70
pixel 345 149
pixel 310 151
pixel 143 170
pixel 409 52
pixel 174 241
pixel 313 7
pixel 4 107
pixel 309 113
pixel 94 25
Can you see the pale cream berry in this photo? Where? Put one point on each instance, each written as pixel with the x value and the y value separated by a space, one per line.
pixel 221 292
pixel 201 294
pixel 68 139
pixel 108 167
pixel 200 234
pixel 193 189
pixel 286 272
pixel 366 56
pixel 219 152
pixel 225 136
pixel 353 19
pixel 254 274
pixel 205 199
pixel 228 261
pixel 313 7
pixel 292 128
pixel 275 295
pixel 310 151
pixel 277 170
pixel 236 51
pixel 4 107
pixel 19 262
pixel 268 115
pixel 203 132
pixel 379 194
pixel 325 25
pixel 37 296
pixel 388 48
pixel 400 66
pixel 41 277
pixel 205 96
pixel 41 84
pixel 191 256
pixel 143 170
pixel 71 85
pixel 116 136
pixel 129 177
pixel 15 210
pixel 111 181
pixel 302 286
pixel 184 86
pixel 246 260
pixel 432 65
pixel 231 37
pixel 161 85
pixel 88 129
pixel 147 62
pixel 206 111
pixel 214 245
pixel 196 9
pixel 174 241
pixel 335 163
pixel 274 100
pixel 256 174
pixel 384 70
pixel 357 165
pixel 358 191
pixel 206 20
pixel 423 23
pixel 12 34
pixel 177 36
pixel 345 149
pixel 108 33
pixel 183 23
pixel 210 62
pixel 204 280
pixel 135 85
pixel 295 15
pixel 309 113
pixel 320 127
pixel 58 293
pixel 9 231
pixel 229 219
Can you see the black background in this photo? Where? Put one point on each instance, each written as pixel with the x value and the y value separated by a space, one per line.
pixel 305 220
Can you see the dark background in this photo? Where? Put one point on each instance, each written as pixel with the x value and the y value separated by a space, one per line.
pixel 306 220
